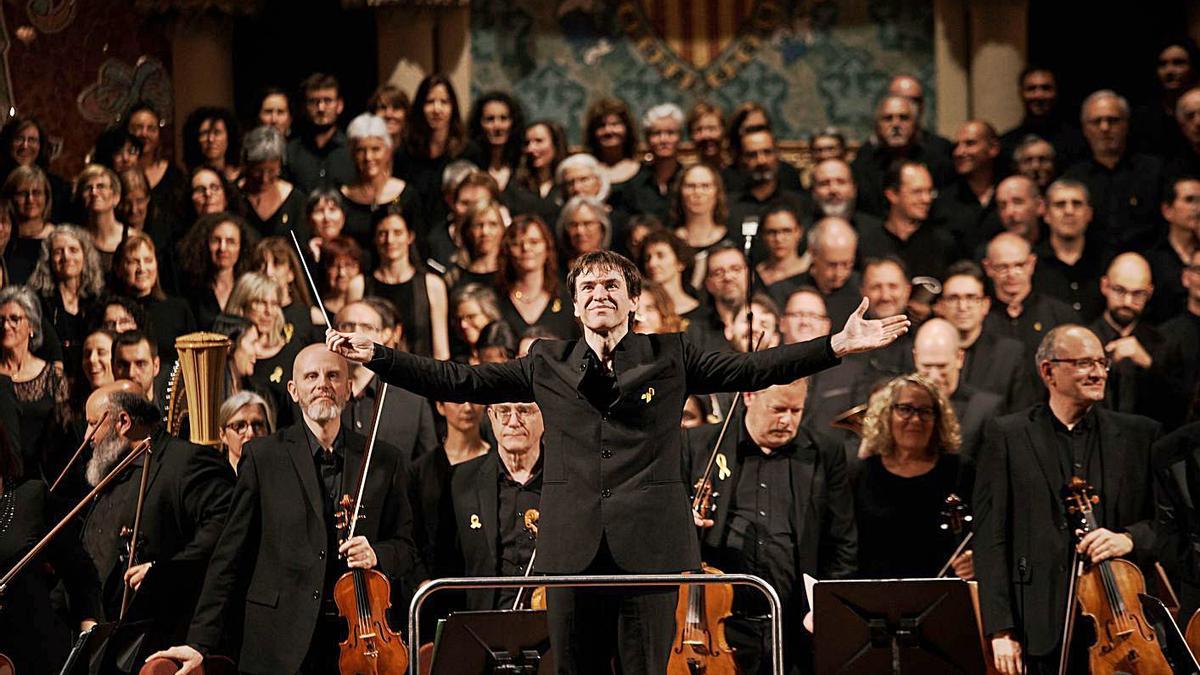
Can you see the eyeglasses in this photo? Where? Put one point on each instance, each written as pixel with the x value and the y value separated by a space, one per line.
pixel 1140 295
pixel 257 426
pixel 722 272
pixel 14 319
pixel 1086 365
pixel 1005 268
pixel 967 300
pixel 806 316
pixel 905 412
pixel 210 189
pixel 521 411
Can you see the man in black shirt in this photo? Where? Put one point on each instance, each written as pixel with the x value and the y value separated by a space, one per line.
pixel 906 233
pixel 784 510
pixel 319 156
pixel 1023 538
pixel 967 206
pixel 1069 260
pixel 1037 160
pixel 1039 93
pixel 1021 207
pixel 1019 311
pixel 1172 253
pixel 492 497
pixel 836 196
pixel 649 191
pixel 832 246
pixel 938 356
pixel 1124 185
pixel 895 139
pixel 758 161
pixel 1183 334
pixel 1184 158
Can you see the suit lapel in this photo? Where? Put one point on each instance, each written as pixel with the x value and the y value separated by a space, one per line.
pixel 803 466
pixel 1045 449
pixel 488 493
pixel 632 351
pixel 577 363
pixel 1112 454
pixel 302 460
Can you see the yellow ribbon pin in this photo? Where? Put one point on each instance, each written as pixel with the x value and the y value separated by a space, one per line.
pixel 277 374
pixel 723 471
pixel 475 524
pixel 648 395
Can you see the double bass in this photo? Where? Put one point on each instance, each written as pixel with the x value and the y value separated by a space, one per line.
pixel 363 596
pixel 1107 592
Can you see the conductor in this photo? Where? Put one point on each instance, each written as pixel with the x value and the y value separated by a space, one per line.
pixel 613 499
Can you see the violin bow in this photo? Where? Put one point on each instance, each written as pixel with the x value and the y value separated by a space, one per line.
pixel 308 275
pixel 366 464
pixel 957 552
pixel 532 527
pixel 137 529
pixel 87 438
pixel 138 450
pixel 1064 657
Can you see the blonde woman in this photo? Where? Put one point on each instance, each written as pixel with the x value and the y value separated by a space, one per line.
pixel 257 298
pixel 910 464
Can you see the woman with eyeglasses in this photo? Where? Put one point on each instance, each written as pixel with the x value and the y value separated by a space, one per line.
pixel 256 298
pixel 910 465
pixel 339 276
pixel 528 282
pixel 23 144
pixel 29 197
pixel 210 193
pixel 242 417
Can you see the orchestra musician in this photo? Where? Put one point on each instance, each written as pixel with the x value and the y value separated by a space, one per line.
pixel 617 396
pixel 185 504
pixel 491 496
pixel 784 509
pixel 280 548
pixel 1023 536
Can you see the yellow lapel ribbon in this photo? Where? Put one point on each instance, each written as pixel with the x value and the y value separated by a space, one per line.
pixel 475 524
pixel 723 471
pixel 649 395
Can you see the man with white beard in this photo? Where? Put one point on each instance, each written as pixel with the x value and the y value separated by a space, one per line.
pixel 187 498
pixel 281 553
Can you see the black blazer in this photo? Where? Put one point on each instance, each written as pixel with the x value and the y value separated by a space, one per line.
pixel 274 547
pixel 615 473
pixel 974 407
pixel 1000 365
pixel 1177 470
pixel 826 536
pixel 1021 526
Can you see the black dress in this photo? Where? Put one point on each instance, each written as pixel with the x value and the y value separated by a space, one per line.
pixel 298 317
pixel 289 215
pixel 558 317
pixel 358 218
pixel 270 378
pixel 411 299
pixel 899 533
pixel 71 329
pixel 167 319
pixel 20 257
pixel 31 633
pixel 45 416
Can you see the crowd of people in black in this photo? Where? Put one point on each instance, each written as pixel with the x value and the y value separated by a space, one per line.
pixel 1051 274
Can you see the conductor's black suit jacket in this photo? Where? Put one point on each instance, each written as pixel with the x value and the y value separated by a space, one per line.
pixel 274 547
pixel 1022 536
pixel 614 473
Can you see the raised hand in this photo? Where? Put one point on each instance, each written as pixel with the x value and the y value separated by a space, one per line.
pixel 863 335
pixel 350 346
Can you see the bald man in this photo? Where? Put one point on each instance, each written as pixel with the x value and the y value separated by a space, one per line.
pixel 1018 311
pixel 938 355
pixel 897 136
pixel 1023 544
pixel 1141 380
pixel 186 501
pixel 911 88
pixel 281 545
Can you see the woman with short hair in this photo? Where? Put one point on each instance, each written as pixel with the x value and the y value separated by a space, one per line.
pixel 325 218
pixel 256 298
pixel 243 417
pixel 584 226
pixel 374 187
pixel 272 205
pixel 24 143
pixel 339 276
pixel 473 306
pixel 392 104
pixel 29 196
pixel 98 191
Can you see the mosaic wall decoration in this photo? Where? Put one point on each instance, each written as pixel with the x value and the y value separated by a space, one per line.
pixel 813 63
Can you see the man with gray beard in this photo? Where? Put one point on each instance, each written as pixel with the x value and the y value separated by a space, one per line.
pixel 187 497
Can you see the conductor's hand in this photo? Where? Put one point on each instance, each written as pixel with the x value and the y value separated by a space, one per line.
pixel 1006 653
pixel 358 553
pixel 863 335
pixel 190 658
pixel 351 346
pixel 1103 544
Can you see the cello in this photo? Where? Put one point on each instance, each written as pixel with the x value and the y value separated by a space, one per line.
pixel 363 596
pixel 1107 592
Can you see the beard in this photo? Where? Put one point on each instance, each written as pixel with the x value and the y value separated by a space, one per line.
pixel 104 457
pixel 843 209
pixel 1123 317
pixel 322 410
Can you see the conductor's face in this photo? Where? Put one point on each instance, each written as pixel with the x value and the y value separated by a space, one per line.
pixel 602 300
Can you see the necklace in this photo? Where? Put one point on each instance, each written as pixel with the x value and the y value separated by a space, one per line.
pixel 521 297
pixel 8 509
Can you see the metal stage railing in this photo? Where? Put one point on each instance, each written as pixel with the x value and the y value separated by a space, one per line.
pixel 596 581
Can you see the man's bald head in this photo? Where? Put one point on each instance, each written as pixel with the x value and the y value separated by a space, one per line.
pixel 910 88
pixel 1009 264
pixel 938 354
pixel 1127 287
pixel 1007 244
pixel 315 355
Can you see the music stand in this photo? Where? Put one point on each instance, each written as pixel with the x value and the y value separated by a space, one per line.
pixel 897 626
pixel 513 642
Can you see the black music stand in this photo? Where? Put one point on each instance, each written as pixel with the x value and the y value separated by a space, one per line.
pixel 515 642
pixel 914 626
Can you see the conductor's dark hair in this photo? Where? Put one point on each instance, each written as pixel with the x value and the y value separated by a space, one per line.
pixel 604 261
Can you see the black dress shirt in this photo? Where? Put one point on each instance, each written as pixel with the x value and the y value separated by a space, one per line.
pixel 516 543
pixel 1078 285
pixel 328 166
pixel 928 251
pixel 970 222
pixel 1079 452
pixel 760 520
pixel 1125 200
pixel 1039 314
pixel 102 538
pixel 329 464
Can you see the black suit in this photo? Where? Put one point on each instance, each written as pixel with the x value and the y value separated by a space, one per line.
pixel 974 407
pixel 611 477
pixel 274 547
pixel 187 498
pixel 1022 536
pixel 1177 469
pixel 1000 365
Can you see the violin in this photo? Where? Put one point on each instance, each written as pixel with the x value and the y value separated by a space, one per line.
pixel 6 666
pixel 956 518
pixel 538 599
pixel 1107 593
pixel 700 645
pixel 363 596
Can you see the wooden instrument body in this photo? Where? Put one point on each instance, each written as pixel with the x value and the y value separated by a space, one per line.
pixel 371 647
pixel 700 645
pixel 1192 634
pixel 1125 641
pixel 6 666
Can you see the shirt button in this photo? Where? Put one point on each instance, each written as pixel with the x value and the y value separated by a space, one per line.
pixel 322 173
pixel 321 555
pixel 606 493
pixel 1074 285
pixel 606 454
pixel 1078 306
pixel 316 595
pixel 762 485
pixel 358 423
pixel 762 513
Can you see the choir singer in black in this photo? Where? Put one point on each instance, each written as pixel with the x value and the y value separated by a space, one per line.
pixel 613 498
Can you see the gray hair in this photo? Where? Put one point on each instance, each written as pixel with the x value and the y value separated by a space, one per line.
pixel 583 160
pixel 263 144
pixel 572 206
pixel 822 228
pixel 1029 140
pixel 1069 184
pixel 240 400
pixel 28 301
pixel 1122 104
pixel 454 174
pixel 366 126
pixel 91 277
pixel 484 296
pixel 662 111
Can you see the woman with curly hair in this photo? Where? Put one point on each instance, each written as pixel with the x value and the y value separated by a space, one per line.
pixel 68 279
pixel 497 131
pixel 257 299
pixel 136 276
pixel 212 138
pixel 527 281
pixel 910 464
pixel 611 136
pixel 213 254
